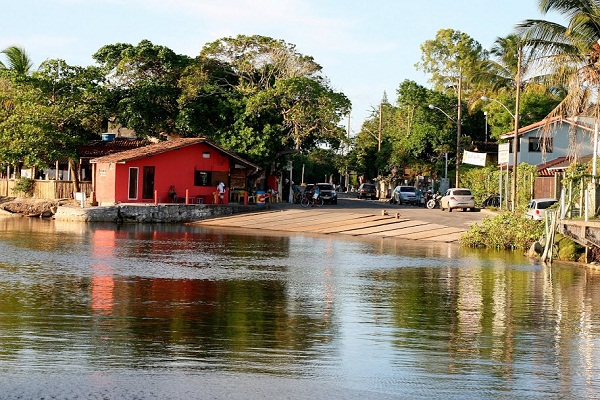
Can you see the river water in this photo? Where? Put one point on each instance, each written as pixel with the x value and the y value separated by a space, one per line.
pixel 92 311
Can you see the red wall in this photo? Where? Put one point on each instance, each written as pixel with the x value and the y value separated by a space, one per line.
pixel 176 167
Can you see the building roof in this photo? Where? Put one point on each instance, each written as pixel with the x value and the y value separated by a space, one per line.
pixel 560 164
pixel 580 122
pixel 99 148
pixel 163 147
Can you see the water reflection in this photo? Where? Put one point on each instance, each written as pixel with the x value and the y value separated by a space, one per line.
pixel 380 316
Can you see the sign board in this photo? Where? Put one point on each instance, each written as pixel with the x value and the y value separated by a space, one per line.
pixel 503 153
pixel 470 157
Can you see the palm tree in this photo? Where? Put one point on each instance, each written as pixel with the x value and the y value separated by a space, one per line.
pixel 568 54
pixel 18 60
pixel 498 74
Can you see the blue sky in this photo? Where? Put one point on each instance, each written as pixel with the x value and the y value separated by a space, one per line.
pixel 365 47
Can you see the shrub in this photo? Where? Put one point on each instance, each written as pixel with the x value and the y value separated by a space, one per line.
pixel 507 231
pixel 568 249
pixel 25 186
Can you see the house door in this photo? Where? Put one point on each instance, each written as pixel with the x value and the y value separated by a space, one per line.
pixel 133 181
pixel 148 183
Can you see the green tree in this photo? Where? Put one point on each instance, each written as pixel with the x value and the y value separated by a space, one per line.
pixel 497 79
pixel 46 115
pixel 279 101
pixel 17 60
pixel 144 83
pixel 253 63
pixel 568 53
pixel 450 57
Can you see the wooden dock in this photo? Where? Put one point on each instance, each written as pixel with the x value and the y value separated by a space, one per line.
pixel 324 221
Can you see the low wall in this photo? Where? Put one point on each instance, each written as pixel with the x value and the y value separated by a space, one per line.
pixel 143 213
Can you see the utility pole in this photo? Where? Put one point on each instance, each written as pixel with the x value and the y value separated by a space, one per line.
pixel 513 197
pixel 347 177
pixel 458 125
pixel 380 126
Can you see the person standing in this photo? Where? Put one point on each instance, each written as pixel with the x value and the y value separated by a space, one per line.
pixel 221 192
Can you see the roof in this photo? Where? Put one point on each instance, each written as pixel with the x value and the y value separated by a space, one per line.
pixel 560 164
pixel 579 122
pixel 99 148
pixel 163 147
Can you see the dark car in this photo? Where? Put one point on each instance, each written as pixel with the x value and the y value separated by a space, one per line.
pixel 367 190
pixel 327 192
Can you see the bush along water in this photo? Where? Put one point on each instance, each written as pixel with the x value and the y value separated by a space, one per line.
pixel 506 231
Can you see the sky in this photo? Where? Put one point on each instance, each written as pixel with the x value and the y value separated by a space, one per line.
pixel 366 48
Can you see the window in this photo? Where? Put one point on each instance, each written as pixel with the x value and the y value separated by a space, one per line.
pixel 202 178
pixel 537 144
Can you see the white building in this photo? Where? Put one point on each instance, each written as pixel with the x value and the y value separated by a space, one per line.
pixel 570 137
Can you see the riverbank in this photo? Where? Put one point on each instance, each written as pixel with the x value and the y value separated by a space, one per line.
pixel 30 207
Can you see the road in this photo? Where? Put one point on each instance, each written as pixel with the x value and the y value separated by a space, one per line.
pixel 347 202
pixel 356 217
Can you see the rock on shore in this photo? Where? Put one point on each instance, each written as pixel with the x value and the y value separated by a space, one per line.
pixel 30 207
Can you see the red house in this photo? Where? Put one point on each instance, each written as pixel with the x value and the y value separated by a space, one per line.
pixel 193 166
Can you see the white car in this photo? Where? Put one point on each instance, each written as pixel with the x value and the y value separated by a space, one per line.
pixel 536 209
pixel 458 198
pixel 405 195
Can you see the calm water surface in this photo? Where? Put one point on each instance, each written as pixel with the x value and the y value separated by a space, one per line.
pixel 99 311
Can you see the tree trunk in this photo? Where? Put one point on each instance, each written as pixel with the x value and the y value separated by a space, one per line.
pixel 75 170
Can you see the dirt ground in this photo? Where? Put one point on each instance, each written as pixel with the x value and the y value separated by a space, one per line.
pixel 30 206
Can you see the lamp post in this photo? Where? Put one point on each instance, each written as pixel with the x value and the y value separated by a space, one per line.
pixel 457 122
pixel 486 125
pixel 513 195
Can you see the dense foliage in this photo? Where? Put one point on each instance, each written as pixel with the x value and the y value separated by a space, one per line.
pixel 251 94
pixel 507 231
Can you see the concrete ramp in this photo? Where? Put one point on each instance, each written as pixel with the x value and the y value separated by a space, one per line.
pixel 328 221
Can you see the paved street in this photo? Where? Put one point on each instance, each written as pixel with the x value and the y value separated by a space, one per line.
pixel 347 202
pixel 357 217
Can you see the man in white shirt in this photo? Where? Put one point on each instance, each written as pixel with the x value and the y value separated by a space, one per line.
pixel 221 191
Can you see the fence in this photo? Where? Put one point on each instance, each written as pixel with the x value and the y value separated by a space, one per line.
pixel 43 189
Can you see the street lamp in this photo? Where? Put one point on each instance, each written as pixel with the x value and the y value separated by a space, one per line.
pixel 458 126
pixel 513 195
pixel 486 125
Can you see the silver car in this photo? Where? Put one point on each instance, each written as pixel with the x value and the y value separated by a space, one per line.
pixel 405 195
pixel 536 209
pixel 458 198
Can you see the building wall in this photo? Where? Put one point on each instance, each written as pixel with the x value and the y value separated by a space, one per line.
pixel 560 146
pixel 105 183
pixel 176 167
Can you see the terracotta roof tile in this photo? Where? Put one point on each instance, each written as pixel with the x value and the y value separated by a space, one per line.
pixel 163 147
pixel 99 148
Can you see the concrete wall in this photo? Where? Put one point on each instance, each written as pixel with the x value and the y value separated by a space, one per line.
pixel 162 213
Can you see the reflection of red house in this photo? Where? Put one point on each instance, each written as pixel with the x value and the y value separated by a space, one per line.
pixel 194 166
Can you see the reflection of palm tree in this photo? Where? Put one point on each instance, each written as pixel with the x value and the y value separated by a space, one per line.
pixel 18 60
pixel 569 53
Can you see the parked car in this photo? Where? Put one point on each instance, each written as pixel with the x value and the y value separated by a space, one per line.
pixel 491 201
pixel 405 195
pixel 328 193
pixel 536 209
pixel 367 190
pixel 458 198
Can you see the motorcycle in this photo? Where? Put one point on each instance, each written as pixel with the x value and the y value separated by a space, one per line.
pixel 435 201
